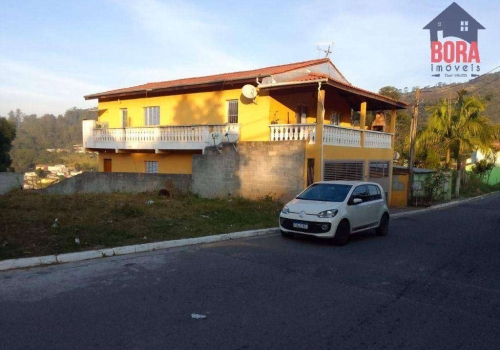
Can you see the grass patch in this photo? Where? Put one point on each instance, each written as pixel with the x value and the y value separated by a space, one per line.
pixel 107 220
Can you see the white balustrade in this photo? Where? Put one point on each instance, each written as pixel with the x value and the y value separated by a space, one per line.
pixel 157 137
pixel 339 136
pixel 293 132
pixel 105 135
pixel 376 139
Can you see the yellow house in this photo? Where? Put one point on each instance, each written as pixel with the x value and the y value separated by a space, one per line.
pixel 163 127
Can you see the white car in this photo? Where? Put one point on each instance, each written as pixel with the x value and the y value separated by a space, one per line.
pixel 336 209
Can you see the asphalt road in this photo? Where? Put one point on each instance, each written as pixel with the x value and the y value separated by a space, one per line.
pixel 433 283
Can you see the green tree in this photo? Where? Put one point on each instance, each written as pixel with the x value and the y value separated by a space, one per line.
pixel 483 168
pixel 7 135
pixel 35 135
pixel 390 91
pixel 459 128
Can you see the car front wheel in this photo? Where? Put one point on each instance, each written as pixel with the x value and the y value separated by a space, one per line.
pixel 342 234
pixel 383 227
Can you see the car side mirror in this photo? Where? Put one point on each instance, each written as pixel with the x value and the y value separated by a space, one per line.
pixel 357 201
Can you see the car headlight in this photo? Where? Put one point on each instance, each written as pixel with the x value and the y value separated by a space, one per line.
pixel 328 213
pixel 285 210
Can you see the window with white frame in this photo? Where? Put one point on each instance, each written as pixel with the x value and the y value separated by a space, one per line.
pixel 464 26
pixel 152 115
pixel 232 111
pixel 124 117
pixel 151 167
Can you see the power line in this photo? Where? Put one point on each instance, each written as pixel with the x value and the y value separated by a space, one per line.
pixel 482 75
pixel 489 106
pixel 482 86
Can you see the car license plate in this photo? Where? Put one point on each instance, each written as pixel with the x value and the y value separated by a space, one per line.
pixel 300 225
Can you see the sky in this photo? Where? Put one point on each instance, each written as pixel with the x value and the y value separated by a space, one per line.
pixel 54 52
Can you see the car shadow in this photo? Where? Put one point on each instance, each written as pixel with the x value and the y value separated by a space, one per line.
pixel 355 237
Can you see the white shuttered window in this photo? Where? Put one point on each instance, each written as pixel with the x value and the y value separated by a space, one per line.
pixel 152 115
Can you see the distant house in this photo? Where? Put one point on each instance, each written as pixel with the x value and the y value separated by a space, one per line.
pixel 290 125
pixel 454 21
pixel 59 169
pixel 494 176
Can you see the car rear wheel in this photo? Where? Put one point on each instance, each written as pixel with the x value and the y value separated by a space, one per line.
pixel 342 234
pixel 383 227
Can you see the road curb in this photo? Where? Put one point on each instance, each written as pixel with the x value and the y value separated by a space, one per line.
pixel 131 249
pixel 442 205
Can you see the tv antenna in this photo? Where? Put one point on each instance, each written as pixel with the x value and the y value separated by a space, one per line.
pixel 328 51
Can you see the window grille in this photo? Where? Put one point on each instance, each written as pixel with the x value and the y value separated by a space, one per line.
pixel 379 169
pixel 232 111
pixel 343 171
pixel 151 167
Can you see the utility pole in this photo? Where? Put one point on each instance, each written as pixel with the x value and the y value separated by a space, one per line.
pixel 413 136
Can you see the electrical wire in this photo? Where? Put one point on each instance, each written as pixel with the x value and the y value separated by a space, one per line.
pixel 482 75
pixel 482 86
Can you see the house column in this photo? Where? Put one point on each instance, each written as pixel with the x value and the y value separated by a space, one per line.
pixel 362 127
pixel 320 117
pixel 362 122
pixel 392 127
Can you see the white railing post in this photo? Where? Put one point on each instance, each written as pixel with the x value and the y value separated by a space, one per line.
pixel 291 132
pixel 377 139
pixel 339 136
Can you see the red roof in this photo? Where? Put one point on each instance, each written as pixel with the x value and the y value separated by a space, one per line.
pixel 249 74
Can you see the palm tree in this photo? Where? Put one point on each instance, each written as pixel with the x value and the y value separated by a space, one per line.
pixel 459 128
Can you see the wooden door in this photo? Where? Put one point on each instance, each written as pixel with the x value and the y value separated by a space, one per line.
pixel 107 165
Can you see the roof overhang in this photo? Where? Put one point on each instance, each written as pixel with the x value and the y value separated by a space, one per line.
pixel 141 91
pixel 353 95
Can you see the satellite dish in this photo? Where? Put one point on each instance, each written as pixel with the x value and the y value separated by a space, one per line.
pixel 215 138
pixel 232 136
pixel 249 91
pixel 396 155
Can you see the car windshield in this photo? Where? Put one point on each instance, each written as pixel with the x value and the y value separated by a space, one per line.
pixel 325 192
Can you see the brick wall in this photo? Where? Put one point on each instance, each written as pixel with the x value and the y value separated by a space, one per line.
pixel 96 182
pixel 255 170
pixel 9 181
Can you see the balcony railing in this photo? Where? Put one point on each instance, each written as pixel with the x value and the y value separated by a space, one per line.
pixel 194 137
pixel 339 136
pixel 333 135
pixel 376 139
pixel 293 132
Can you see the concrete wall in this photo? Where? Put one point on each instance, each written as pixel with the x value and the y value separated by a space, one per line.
pixel 10 181
pixel 95 182
pixel 255 170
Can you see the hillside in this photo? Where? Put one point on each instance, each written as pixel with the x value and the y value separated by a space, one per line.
pixel 38 138
pixel 486 86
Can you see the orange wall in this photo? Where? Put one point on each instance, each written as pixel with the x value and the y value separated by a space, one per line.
pixel 135 162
